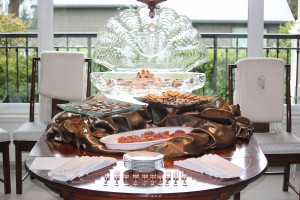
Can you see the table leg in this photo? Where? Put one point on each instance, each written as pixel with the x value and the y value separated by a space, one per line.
pixel 237 196
pixel 224 196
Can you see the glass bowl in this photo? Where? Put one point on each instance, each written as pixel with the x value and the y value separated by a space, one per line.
pixel 127 83
pixel 132 41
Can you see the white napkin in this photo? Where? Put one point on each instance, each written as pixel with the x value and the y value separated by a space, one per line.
pixel 212 165
pixel 80 166
pixel 48 163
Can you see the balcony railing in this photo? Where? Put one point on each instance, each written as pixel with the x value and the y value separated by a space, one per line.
pixel 17 51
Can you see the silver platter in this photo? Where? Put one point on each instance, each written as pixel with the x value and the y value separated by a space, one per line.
pixel 143 161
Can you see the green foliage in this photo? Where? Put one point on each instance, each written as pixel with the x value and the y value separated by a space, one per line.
pixel 284 29
pixel 217 73
pixel 294 7
pixel 9 24
pixel 13 65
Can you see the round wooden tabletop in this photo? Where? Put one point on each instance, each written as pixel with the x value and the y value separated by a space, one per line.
pixel 152 185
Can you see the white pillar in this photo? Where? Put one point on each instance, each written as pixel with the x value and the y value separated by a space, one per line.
pixel 255 28
pixel 294 56
pixel 45 25
pixel 45 42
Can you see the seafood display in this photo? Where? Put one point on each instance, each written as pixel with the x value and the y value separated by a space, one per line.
pixel 148 54
pixel 150 136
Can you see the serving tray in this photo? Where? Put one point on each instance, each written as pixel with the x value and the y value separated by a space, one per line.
pixel 176 100
pixel 111 141
pixel 100 107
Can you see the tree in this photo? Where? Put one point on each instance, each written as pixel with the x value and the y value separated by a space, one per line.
pixel 294 7
pixel 9 24
pixel 13 7
pixel 8 75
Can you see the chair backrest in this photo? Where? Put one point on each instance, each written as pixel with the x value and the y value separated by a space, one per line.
pixel 262 87
pixel 63 77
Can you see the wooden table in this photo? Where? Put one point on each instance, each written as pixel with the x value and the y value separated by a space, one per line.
pixel 200 186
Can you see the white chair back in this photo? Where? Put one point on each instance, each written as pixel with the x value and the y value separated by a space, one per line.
pixel 259 89
pixel 62 76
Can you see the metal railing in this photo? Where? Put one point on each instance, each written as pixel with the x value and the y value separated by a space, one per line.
pixel 18 49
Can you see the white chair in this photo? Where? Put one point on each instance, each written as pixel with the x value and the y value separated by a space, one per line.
pixel 4 148
pixel 63 77
pixel 262 89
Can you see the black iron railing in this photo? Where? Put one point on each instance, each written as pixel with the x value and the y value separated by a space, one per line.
pixel 18 49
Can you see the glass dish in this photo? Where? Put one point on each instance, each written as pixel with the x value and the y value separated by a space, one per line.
pixel 100 107
pixel 178 102
pixel 132 41
pixel 127 83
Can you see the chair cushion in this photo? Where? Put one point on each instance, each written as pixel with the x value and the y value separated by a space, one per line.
pixel 4 135
pixel 278 143
pixel 29 131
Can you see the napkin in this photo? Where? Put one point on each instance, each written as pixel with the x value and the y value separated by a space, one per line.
pixel 212 165
pixel 80 166
pixel 48 163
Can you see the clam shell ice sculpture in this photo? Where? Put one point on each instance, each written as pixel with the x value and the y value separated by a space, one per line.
pixel 132 41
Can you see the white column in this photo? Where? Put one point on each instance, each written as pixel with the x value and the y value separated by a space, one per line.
pixel 45 43
pixel 294 56
pixel 45 25
pixel 255 28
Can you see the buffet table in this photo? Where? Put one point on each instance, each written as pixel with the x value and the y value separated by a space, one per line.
pixel 150 59
pixel 244 153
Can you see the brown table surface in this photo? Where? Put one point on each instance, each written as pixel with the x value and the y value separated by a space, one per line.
pixel 246 154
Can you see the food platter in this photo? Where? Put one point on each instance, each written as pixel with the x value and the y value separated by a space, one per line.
pixel 100 107
pixel 177 100
pixel 111 141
